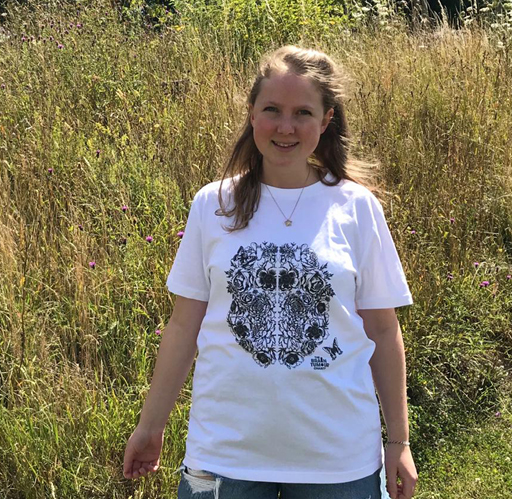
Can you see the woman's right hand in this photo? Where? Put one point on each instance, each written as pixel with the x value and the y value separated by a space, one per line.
pixel 142 454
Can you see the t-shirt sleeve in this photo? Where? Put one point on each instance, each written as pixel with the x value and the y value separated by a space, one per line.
pixel 380 280
pixel 187 276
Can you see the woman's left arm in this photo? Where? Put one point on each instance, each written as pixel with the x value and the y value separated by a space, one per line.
pixel 388 370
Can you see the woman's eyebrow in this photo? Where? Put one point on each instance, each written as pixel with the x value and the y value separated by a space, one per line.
pixel 272 103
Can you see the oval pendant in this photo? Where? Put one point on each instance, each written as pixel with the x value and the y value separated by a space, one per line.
pixel 288 223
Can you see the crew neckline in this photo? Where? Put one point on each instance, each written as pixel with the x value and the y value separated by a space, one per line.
pixel 294 192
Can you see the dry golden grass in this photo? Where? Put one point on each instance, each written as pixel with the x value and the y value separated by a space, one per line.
pixel 127 117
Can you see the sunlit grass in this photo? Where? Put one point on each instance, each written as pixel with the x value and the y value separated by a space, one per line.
pixel 108 129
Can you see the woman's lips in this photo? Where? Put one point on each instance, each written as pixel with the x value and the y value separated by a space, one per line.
pixel 288 147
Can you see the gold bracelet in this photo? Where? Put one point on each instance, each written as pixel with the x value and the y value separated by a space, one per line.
pixel 401 442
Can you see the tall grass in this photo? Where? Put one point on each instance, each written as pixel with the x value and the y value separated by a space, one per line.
pixel 106 132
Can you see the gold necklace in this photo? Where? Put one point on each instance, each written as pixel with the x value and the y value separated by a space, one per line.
pixel 288 220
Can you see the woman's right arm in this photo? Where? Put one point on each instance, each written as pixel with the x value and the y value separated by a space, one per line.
pixel 174 360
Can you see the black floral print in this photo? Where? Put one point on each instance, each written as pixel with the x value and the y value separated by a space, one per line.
pixel 280 307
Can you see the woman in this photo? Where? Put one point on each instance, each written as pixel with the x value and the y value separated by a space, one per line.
pixel 291 309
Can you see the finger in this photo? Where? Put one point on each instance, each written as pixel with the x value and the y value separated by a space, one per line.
pixel 129 470
pixel 392 493
pixel 154 467
pixel 127 464
pixel 138 473
pixel 392 484
pixel 148 467
pixel 408 485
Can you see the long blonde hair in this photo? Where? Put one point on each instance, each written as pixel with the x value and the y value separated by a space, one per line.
pixel 332 153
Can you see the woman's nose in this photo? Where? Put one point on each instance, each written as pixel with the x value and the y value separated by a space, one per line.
pixel 285 125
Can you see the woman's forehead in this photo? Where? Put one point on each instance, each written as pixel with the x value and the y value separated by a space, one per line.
pixel 289 88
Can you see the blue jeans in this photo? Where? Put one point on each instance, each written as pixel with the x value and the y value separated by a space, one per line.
pixel 220 487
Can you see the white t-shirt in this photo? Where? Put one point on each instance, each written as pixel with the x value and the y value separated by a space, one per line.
pixel 282 387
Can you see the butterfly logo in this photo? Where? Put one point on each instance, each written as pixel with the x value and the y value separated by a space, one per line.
pixel 333 351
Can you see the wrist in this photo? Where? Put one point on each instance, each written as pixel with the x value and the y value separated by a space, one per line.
pixel 397 434
pixel 403 443
pixel 150 426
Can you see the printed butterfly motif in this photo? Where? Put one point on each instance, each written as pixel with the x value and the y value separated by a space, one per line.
pixel 333 351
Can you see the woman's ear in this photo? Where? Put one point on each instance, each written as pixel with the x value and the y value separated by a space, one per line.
pixel 250 109
pixel 327 119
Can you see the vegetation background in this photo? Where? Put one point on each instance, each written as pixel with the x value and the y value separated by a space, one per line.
pixel 112 114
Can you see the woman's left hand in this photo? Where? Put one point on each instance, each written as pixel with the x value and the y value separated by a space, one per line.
pixel 400 464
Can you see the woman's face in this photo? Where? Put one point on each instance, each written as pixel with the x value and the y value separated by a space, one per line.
pixel 288 119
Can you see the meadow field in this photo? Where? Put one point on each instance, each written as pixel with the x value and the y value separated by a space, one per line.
pixel 113 115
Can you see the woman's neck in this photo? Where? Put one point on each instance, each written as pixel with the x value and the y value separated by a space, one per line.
pixel 291 180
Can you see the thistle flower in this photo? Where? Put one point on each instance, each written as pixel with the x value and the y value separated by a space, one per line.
pixel 158 332
pixel 484 284
pixel 124 208
pixel 149 239
pixel 180 234
pixel 476 264
pixel 92 264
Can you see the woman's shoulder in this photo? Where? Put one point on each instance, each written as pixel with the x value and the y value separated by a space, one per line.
pixel 354 191
pixel 209 192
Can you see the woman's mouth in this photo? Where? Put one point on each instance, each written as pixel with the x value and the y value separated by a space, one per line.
pixel 285 146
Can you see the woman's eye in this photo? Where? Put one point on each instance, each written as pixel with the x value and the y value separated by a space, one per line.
pixel 274 109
